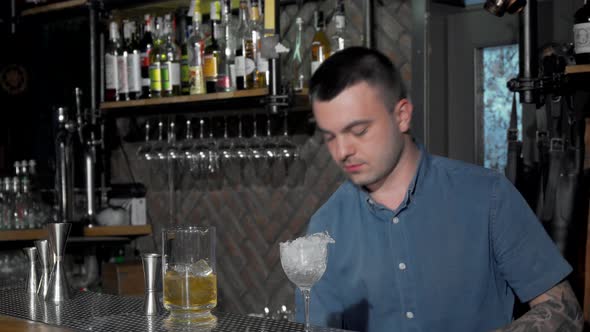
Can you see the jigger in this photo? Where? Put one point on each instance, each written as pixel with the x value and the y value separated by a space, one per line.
pixel 31 253
pixel 58 288
pixel 151 271
pixel 45 259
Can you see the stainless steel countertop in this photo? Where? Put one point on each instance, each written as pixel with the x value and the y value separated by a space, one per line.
pixel 89 311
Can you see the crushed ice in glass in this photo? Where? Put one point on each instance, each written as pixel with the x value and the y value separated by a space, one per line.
pixel 304 259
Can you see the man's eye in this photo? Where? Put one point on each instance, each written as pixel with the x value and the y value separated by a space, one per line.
pixel 327 138
pixel 360 132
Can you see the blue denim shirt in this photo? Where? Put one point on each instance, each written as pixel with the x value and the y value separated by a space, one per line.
pixel 450 258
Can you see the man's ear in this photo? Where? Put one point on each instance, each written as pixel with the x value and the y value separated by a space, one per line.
pixel 403 115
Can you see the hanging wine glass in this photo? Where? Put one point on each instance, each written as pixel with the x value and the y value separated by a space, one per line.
pixel 185 147
pixel 145 149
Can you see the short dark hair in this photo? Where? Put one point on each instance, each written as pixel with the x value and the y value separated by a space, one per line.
pixel 354 65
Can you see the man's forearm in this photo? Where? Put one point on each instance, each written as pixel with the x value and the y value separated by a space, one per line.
pixel 560 312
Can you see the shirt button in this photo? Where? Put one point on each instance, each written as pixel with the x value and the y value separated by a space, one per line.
pixel 402 266
pixel 409 315
pixel 395 220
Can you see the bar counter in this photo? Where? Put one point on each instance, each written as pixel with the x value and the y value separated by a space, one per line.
pixel 89 311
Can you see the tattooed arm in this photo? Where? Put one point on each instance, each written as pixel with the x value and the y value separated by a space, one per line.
pixel 555 310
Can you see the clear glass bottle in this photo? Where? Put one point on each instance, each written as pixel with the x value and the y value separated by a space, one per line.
pixel 245 64
pixel 3 202
pixel 111 65
pixel 170 61
pixel 320 46
pixel 226 56
pixel 17 208
pixel 295 70
pixel 228 46
pixel 340 40
pixel 8 208
pixel 256 28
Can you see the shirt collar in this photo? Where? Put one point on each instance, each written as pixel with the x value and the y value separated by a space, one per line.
pixel 421 170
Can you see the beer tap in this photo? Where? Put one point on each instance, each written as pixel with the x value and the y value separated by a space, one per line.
pixel 65 164
pixel 86 128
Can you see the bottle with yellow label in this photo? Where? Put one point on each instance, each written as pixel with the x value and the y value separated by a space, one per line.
pixel 213 49
pixel 155 64
pixel 320 46
pixel 196 49
pixel 256 29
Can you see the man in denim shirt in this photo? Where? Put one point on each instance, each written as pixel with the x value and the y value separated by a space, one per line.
pixel 423 243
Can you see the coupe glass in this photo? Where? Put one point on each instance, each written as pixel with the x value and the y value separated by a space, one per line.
pixel 304 261
pixel 190 274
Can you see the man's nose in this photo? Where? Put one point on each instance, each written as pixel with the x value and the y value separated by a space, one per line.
pixel 344 148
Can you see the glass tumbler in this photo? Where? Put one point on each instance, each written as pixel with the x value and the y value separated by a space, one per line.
pixel 189 274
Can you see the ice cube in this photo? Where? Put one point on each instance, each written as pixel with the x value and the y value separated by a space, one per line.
pixel 179 268
pixel 200 268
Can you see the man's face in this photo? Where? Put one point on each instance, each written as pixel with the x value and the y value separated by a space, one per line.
pixel 363 136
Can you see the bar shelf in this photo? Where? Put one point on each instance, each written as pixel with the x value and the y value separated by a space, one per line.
pixel 95 231
pixel 191 99
pixel 54 7
pixel 135 230
pixel 241 101
pixel 23 235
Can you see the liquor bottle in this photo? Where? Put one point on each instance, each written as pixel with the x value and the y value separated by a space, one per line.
pixel 29 210
pixel 320 46
pixel 340 40
pixel 3 204
pixel 213 49
pixel 155 64
pixel 170 61
pixel 226 55
pixel 17 221
pixel 230 41
pixel 110 62
pixel 256 28
pixel 146 46
pixel 582 34
pixel 196 51
pixel 296 74
pixel 244 59
pixel 182 38
pixel 133 61
pixel 122 60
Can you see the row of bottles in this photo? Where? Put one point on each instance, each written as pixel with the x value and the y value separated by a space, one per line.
pixel 159 60
pixel 321 46
pixel 20 203
pixel 150 63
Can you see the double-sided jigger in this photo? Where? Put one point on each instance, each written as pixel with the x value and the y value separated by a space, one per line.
pixel 152 268
pixel 45 258
pixel 31 253
pixel 58 289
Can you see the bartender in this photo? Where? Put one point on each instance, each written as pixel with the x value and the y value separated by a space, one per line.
pixel 423 243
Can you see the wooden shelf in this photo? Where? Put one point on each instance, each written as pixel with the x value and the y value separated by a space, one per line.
pixel 96 231
pixel 577 69
pixel 57 6
pixel 184 99
pixel 117 230
pixel 23 235
pixel 157 7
